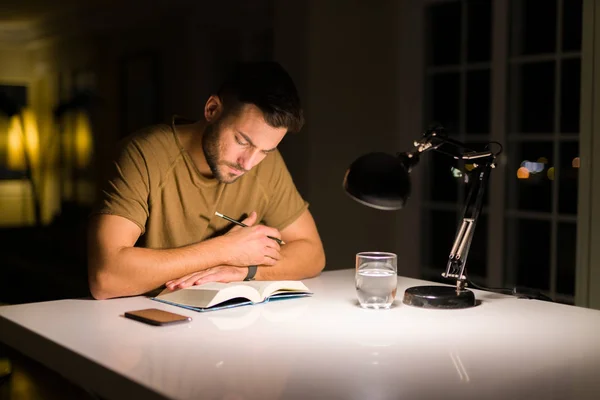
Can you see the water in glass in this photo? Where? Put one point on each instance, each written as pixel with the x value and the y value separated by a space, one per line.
pixel 376 285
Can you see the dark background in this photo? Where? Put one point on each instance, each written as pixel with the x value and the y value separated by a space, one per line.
pixel 371 74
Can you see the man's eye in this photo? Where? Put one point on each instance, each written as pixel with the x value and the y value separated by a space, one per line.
pixel 240 142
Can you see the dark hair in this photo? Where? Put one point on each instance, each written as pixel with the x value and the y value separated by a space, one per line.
pixel 267 86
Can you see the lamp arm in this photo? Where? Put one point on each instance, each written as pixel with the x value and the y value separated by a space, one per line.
pixel 457 260
pixel 432 140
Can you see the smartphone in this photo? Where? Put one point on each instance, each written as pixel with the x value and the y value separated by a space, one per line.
pixel 154 316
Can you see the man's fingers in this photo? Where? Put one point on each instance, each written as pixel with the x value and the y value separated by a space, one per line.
pixel 273 245
pixel 272 253
pixel 268 261
pixel 268 231
pixel 216 277
pixel 250 219
pixel 222 275
pixel 189 281
pixel 175 282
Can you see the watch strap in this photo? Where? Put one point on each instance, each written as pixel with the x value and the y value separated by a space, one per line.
pixel 251 273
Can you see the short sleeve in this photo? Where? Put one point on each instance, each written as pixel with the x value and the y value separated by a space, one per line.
pixel 285 204
pixel 126 191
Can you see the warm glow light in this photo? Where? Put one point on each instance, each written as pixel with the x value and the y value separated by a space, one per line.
pixel 522 173
pixel 576 162
pixel 551 173
pixel 83 140
pixel 16 156
pixel 15 159
pixel 469 167
pixel 543 160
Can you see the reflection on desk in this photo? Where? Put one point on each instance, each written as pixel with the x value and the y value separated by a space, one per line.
pixel 323 346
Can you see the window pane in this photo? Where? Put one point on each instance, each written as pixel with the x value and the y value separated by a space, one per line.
pixel 568 174
pixel 444 185
pixel 533 24
pixel 570 80
pixel 444 21
pixel 533 253
pixel 479 30
pixel 478 102
pixel 529 187
pixel 532 95
pixel 566 245
pixel 445 94
pixel 572 24
pixel 438 236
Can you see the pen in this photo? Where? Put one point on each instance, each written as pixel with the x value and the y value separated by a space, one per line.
pixel 218 214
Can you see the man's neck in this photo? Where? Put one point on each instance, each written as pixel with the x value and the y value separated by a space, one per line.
pixel 192 143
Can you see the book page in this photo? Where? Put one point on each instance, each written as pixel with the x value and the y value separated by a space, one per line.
pixel 214 293
pixel 189 296
pixel 209 294
pixel 269 288
pixel 232 291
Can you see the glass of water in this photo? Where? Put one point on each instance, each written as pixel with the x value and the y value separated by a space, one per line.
pixel 376 279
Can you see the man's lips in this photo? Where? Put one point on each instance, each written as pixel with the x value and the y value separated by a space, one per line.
pixel 235 170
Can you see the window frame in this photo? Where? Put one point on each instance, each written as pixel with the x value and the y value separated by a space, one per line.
pixel 587 273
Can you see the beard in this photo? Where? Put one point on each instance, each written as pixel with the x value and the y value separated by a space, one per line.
pixel 211 147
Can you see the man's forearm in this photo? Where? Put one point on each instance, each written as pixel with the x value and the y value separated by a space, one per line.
pixel 132 270
pixel 301 259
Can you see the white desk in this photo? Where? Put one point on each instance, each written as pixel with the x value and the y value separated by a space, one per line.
pixel 322 347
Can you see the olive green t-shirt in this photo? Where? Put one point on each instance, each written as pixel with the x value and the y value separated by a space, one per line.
pixel 154 183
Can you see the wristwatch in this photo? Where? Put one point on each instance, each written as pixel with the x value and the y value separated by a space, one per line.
pixel 251 273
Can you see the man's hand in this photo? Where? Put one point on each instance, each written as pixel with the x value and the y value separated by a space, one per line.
pixel 221 273
pixel 251 246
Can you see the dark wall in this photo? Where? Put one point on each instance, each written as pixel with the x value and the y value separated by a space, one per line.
pixel 347 60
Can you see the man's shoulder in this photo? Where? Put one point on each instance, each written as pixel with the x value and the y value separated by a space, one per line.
pixel 149 135
pixel 155 140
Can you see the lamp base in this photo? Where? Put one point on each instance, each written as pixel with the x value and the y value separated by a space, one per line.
pixel 440 297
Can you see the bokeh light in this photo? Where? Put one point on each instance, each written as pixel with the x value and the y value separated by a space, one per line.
pixel 576 162
pixel 457 173
pixel 551 173
pixel 522 173
pixel 533 167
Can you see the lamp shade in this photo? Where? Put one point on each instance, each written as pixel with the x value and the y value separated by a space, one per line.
pixel 378 180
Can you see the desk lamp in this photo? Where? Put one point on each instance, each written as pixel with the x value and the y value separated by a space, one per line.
pixel 382 181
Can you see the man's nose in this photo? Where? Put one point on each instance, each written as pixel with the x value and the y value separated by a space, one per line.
pixel 248 159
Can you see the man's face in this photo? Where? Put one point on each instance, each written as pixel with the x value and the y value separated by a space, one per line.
pixel 233 145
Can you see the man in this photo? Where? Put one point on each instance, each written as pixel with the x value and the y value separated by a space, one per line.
pixel 168 182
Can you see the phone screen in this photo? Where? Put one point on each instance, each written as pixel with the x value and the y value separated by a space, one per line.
pixel 154 316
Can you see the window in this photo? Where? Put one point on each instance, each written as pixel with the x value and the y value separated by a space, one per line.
pixel 516 63
pixel 457 95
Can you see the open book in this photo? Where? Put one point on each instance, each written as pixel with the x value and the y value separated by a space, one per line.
pixel 217 296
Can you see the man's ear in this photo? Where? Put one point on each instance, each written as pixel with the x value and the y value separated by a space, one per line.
pixel 213 108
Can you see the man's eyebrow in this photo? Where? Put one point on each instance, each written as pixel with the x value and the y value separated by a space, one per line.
pixel 247 139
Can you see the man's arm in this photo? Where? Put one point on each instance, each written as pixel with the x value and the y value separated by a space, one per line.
pixel 116 268
pixel 302 256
